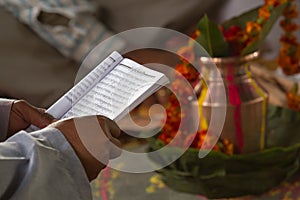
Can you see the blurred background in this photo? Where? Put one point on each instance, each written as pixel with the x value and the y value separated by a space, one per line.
pixel 43 43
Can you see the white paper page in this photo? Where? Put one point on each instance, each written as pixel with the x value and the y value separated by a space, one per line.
pixel 64 104
pixel 80 89
pixel 115 93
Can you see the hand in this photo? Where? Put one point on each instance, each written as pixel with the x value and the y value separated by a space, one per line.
pixel 23 114
pixel 93 144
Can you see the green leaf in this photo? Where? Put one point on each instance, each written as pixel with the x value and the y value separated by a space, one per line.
pixel 241 20
pixel 295 88
pixel 211 38
pixel 222 176
pixel 275 14
pixel 283 126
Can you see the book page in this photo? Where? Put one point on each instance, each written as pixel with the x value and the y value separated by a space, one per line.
pixel 88 82
pixel 117 92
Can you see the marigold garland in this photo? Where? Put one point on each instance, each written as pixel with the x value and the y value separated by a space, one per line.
pixel 293 98
pixel 289 53
pixel 175 115
pixel 237 39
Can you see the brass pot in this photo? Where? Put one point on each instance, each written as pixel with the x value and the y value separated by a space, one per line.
pixel 245 121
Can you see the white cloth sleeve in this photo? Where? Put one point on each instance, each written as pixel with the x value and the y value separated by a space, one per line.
pixel 41 165
pixel 5 107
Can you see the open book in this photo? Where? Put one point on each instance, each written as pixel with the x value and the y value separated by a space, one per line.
pixel 112 89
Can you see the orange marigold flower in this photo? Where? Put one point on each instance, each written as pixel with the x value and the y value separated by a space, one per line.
pixel 293 101
pixel 253 28
pixel 272 3
pixel 227 147
pixel 195 34
pixel 264 13
pixel 291 12
pixel 187 71
pixel 236 38
pixel 292 40
pixel 288 26
pixel 291 70
pixel 232 33
pixel 289 54
pixel 187 53
pixel 289 64
pixel 297 54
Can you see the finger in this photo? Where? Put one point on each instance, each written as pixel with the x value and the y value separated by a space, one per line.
pixel 33 115
pixel 42 110
pixel 114 148
pixel 112 132
pixel 110 127
pixel 114 129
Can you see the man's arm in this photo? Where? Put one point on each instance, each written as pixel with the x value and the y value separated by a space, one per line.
pixel 41 165
pixel 53 163
pixel 17 115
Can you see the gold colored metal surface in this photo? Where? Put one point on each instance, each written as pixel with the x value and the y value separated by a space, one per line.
pixel 236 71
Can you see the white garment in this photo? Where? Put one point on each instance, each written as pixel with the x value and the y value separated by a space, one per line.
pixel 39 165
pixel 5 107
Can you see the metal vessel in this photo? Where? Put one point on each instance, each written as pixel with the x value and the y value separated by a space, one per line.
pixel 245 121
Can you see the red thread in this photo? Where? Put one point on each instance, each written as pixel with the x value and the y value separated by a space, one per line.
pixel 235 100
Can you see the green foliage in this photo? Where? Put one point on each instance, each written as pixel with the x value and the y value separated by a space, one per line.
pixel 266 28
pixel 241 20
pixel 222 176
pixel 211 38
pixel 295 88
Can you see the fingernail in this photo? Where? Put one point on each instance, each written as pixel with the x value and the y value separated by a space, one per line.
pixel 42 110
